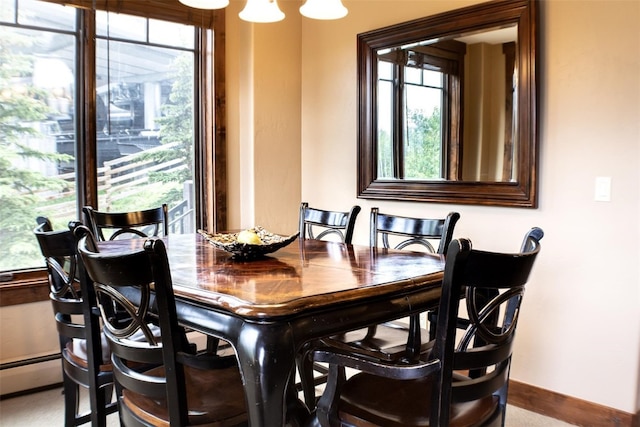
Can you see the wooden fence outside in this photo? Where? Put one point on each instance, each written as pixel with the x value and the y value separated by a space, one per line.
pixel 120 178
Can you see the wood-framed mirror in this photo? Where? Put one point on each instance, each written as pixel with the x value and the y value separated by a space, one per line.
pixel 448 107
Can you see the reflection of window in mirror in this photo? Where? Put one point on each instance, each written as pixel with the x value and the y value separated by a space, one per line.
pixel 419 93
pixel 433 96
pixel 418 99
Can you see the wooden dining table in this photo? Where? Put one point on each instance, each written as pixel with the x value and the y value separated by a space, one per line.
pixel 268 308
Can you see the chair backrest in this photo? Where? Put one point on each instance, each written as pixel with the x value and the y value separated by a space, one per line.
pixel 44 224
pixel 60 255
pixel 132 340
pixel 71 297
pixel 142 223
pixel 494 285
pixel 412 231
pixel 318 223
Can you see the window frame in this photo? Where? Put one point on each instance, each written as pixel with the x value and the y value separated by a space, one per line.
pixel 30 285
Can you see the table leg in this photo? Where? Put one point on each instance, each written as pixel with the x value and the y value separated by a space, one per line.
pixel 267 361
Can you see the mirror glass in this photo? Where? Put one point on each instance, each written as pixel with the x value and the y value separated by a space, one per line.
pixel 447 107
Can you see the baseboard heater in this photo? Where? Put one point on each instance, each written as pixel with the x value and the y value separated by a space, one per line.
pixel 30 361
pixel 29 375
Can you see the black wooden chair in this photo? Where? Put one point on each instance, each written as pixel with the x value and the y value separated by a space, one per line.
pixel 389 340
pixel 84 353
pixel 323 225
pixel 421 232
pixel 461 382
pixel 152 222
pixel 162 381
pixel 142 223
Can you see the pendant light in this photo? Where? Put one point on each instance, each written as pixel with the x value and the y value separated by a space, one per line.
pixel 323 9
pixel 261 11
pixel 205 4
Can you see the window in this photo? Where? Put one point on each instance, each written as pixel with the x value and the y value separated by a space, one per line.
pixel 417 87
pixel 37 89
pixel 138 138
pixel 144 115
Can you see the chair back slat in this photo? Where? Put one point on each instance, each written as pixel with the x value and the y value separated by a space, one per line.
pixel 69 329
pixel 321 224
pixel 142 223
pixel 412 231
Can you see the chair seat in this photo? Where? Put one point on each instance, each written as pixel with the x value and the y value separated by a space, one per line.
pixel 76 350
pixel 388 343
pixel 79 349
pixel 397 407
pixel 214 397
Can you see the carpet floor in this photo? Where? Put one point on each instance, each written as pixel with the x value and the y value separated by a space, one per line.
pixel 46 409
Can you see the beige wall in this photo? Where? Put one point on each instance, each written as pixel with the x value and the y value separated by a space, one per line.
pixel 264 120
pixel 579 333
pixel 27 331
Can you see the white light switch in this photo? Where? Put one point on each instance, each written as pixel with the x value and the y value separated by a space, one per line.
pixel 603 189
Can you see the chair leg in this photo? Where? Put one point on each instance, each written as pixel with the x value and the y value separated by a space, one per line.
pixel 118 396
pixel 71 401
pixel 99 411
pixel 212 345
pixel 326 410
pixel 432 316
pixel 108 392
pixel 305 370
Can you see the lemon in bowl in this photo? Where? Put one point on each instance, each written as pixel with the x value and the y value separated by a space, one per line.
pixel 249 237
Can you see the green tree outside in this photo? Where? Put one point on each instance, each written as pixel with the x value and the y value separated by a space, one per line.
pixel 22 107
pixel 423 145
pixel 422 148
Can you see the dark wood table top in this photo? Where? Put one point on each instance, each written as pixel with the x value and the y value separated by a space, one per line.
pixel 306 274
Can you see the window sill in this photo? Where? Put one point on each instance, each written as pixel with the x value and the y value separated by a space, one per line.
pixel 24 287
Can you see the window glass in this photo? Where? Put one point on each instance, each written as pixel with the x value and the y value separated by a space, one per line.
pixel 422 132
pixel 8 11
pixel 119 26
pixel 144 105
pixel 37 137
pixel 414 149
pixel 385 70
pixel 432 78
pixel 170 34
pixel 47 15
pixel 413 75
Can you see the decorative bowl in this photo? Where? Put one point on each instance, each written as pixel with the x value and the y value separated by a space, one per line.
pixel 229 242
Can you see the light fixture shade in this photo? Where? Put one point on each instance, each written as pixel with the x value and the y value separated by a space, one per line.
pixel 323 9
pixel 261 11
pixel 205 4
